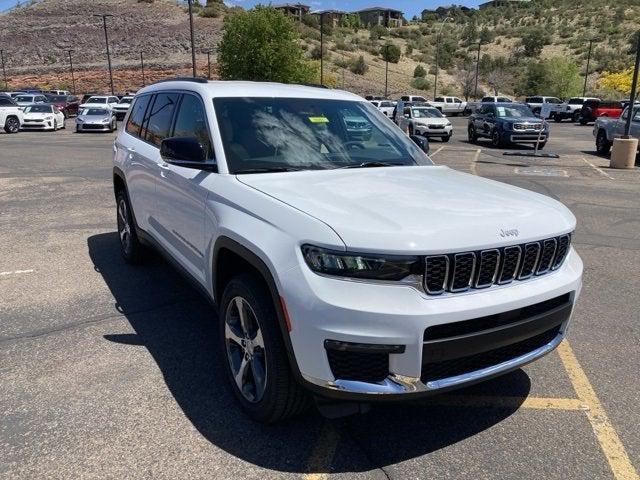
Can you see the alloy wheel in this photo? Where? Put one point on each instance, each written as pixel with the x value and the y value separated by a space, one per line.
pixel 124 229
pixel 245 349
pixel 13 125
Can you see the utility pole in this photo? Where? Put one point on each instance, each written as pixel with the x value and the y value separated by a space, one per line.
pixel 586 74
pixel 106 41
pixel 435 84
pixel 321 48
pixel 4 72
pixel 142 66
pixel 73 78
pixel 193 48
pixel 209 64
pixel 386 69
pixel 634 87
pixel 475 94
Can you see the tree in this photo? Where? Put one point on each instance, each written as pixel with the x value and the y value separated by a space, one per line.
pixel 261 44
pixel 421 83
pixel 533 41
pixel 390 53
pixel 350 20
pixel 466 76
pixel 556 76
pixel 470 33
pixel 376 32
pixel 486 36
pixel 419 72
pixel 359 66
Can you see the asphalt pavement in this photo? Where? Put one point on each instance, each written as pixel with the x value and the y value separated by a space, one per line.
pixel 111 371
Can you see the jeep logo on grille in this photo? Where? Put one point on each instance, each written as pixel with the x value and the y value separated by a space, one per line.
pixel 509 233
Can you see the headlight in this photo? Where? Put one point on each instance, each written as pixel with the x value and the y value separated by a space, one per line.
pixel 356 265
pixel 105 120
pixel 78 120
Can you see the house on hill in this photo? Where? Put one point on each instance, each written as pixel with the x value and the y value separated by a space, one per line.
pixel 387 17
pixel 329 17
pixel 297 10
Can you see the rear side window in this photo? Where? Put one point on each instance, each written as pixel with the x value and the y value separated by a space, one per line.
pixel 137 115
pixel 438 99
pixel 576 101
pixel 404 99
pixel 487 99
pixel 191 121
pixel 504 100
pixel 158 125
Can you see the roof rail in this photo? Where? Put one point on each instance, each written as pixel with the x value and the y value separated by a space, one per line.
pixel 182 79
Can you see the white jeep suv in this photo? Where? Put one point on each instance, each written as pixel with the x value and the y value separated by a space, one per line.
pixel 348 266
pixel 11 116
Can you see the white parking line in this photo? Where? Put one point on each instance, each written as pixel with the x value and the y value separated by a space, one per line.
pixel 438 150
pixel 16 272
pixel 597 169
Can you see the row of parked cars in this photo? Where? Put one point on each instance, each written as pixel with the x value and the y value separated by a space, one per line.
pixel 38 110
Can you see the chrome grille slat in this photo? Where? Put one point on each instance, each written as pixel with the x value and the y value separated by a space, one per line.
pixel 459 272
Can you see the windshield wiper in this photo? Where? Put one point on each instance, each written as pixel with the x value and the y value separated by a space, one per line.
pixel 372 164
pixel 267 170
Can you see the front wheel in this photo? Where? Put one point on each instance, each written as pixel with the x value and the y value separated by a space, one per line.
pixel 575 117
pixel 603 146
pixel 256 363
pixel 472 135
pixel 446 139
pixel 12 125
pixel 496 139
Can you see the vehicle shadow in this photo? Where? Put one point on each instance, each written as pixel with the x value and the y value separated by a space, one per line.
pixel 486 143
pixel 178 328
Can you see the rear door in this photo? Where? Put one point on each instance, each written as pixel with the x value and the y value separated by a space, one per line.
pixel 181 197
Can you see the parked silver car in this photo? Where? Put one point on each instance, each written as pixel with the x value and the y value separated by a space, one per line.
pixel 96 119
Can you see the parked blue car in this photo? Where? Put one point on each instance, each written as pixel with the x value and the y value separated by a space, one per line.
pixel 505 123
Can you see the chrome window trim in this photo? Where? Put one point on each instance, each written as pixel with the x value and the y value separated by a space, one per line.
pixel 453 275
pixel 540 270
pixel 495 271
pixel 515 270
pixel 446 274
pixel 535 262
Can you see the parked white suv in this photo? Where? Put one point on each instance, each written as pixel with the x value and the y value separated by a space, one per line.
pixel 11 117
pixel 352 268
pixel 98 101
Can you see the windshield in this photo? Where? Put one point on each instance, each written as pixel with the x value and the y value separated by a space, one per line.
pixel 263 134
pixel 94 111
pixel 97 100
pixel 24 98
pixel 126 100
pixel 426 113
pixel 58 98
pixel 514 111
pixel 38 109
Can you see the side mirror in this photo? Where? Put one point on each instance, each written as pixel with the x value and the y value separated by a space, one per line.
pixel 421 142
pixel 185 152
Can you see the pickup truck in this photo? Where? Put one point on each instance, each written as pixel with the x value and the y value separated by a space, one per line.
pixel 606 129
pixel 449 105
pixel 572 108
pixel 551 106
pixel 473 106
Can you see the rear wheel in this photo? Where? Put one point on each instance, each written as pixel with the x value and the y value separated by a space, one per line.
pixel 129 243
pixel 603 145
pixel 576 116
pixel 257 364
pixel 12 125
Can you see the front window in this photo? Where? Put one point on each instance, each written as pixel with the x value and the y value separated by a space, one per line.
pixel 576 101
pixel 97 100
pixel 276 134
pixel 38 109
pixel 518 111
pixel 24 99
pixel 94 112
pixel 426 113
pixel 58 99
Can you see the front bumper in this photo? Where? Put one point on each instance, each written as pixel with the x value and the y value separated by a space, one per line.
pixel 323 309
pixel 427 131
pixel 39 125
pixel 93 127
pixel 525 137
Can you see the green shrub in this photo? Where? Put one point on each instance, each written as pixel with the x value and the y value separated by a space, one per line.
pixel 390 53
pixel 421 83
pixel 359 66
pixel 376 32
pixel 419 71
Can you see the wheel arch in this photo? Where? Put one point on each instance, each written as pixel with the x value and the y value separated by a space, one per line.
pixel 231 258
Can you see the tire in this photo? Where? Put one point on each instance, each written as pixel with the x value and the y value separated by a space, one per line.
pixel 254 348
pixel 114 125
pixel 496 140
pixel 557 118
pixel 603 145
pixel 12 125
pixel 576 116
pixel 583 121
pixel 130 246
pixel 446 139
pixel 541 145
pixel 411 130
pixel 471 134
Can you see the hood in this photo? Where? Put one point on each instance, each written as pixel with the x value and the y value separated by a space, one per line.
pixel 432 121
pixel 93 118
pixel 402 210
pixel 37 115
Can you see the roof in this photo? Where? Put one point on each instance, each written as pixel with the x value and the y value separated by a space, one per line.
pixel 373 9
pixel 234 88
pixel 291 5
pixel 318 12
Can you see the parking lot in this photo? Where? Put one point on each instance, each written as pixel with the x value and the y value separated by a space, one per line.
pixel 110 371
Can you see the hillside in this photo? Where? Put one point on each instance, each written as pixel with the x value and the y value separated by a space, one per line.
pixel 515 42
